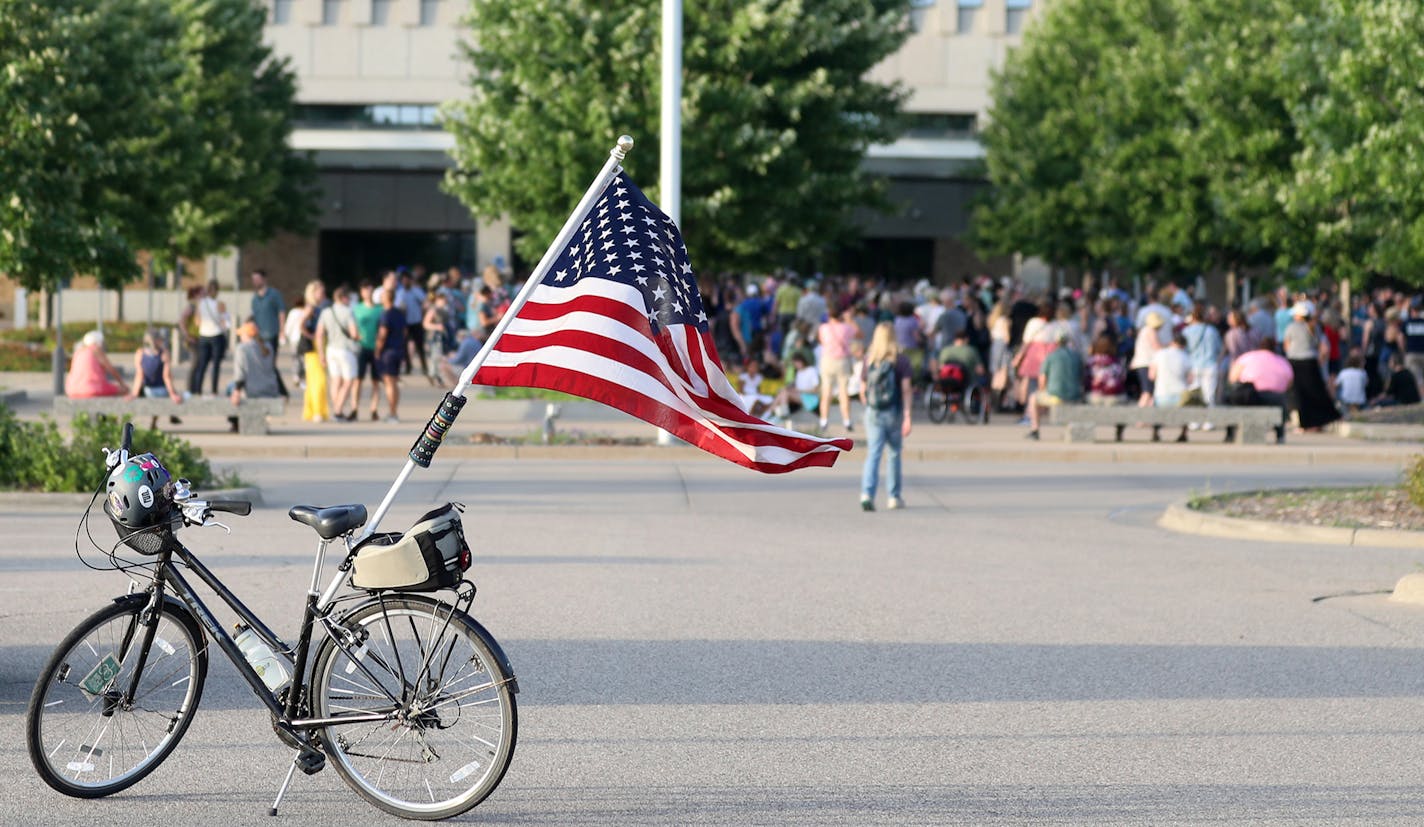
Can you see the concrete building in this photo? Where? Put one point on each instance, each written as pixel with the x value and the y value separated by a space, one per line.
pixel 372 72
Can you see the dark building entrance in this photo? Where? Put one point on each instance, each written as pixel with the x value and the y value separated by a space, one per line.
pixel 348 256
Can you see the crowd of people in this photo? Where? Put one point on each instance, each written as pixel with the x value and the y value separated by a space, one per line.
pixel 368 336
pixel 793 344
pixel 381 332
pixel 798 344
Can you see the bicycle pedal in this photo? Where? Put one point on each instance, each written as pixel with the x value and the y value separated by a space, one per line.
pixel 311 762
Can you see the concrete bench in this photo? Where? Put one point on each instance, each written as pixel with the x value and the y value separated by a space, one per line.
pixel 1246 424
pixel 251 414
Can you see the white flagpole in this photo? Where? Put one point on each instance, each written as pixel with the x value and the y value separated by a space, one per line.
pixel 670 163
pixel 610 169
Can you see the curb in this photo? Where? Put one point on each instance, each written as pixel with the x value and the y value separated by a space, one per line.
pixel 967 453
pixel 1381 431
pixel 10 398
pixel 1180 517
pixel 66 502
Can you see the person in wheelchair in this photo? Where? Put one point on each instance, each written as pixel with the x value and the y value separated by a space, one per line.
pixel 958 366
pixel 958 382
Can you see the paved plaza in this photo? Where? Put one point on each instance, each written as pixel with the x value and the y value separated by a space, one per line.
pixel 699 644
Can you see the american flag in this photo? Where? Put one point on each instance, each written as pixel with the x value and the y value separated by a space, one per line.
pixel 619 319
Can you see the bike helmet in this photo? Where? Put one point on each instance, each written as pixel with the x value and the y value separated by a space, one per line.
pixel 140 493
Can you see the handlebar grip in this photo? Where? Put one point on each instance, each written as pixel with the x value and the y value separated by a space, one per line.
pixel 128 438
pixel 239 507
pixel 423 451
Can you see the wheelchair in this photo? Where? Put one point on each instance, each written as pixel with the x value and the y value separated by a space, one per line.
pixel 952 391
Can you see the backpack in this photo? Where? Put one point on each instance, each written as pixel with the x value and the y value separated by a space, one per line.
pixel 882 386
pixel 951 372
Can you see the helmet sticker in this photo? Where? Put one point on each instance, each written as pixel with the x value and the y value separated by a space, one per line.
pixel 116 503
pixel 145 496
pixel 133 473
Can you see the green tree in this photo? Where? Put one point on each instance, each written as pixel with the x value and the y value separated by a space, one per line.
pixel 1360 110
pixel 1037 141
pixel 1240 139
pixel 83 114
pixel 245 185
pixel 777 115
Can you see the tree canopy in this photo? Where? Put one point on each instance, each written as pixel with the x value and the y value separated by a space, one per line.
pixel 1180 136
pixel 246 184
pixel 146 124
pixel 777 115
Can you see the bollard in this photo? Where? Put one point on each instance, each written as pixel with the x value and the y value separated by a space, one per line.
pixel 551 412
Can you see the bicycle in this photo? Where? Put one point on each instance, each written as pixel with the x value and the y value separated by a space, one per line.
pixel 408 695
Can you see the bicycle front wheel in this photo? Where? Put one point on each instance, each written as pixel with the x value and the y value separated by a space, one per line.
pixel 449 720
pixel 86 737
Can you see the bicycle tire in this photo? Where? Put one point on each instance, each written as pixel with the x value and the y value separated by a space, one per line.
pixel 68 725
pixel 936 403
pixel 460 725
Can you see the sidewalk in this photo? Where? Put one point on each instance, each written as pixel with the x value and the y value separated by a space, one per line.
pixel 482 419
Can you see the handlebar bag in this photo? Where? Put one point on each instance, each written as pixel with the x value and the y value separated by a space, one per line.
pixel 431 555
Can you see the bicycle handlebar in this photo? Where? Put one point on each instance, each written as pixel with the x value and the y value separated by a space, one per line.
pixel 241 508
pixel 127 446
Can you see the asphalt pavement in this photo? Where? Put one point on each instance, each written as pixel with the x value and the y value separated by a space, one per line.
pixel 699 644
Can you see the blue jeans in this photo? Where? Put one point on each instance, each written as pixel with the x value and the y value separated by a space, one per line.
pixel 882 430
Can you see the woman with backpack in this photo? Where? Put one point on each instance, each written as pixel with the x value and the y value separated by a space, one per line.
pixel 885 393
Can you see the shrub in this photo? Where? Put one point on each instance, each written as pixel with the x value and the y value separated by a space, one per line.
pixel 1413 483
pixel 34 455
pixel 119 337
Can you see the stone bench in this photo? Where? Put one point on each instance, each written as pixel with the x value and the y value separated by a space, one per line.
pixel 1249 424
pixel 251 414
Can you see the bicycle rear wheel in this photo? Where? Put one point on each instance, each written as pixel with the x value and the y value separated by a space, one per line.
pixel 451 722
pixel 84 739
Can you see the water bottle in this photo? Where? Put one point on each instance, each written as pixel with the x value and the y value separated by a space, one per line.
pixel 264 661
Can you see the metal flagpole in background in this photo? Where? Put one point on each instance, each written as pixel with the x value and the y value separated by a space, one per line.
pixel 670 160
pixel 450 407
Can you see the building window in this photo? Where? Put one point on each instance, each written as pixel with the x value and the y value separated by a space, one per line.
pixel 1015 13
pixel 380 12
pixel 941 125
pixel 330 12
pixel 281 12
pixel 409 116
pixel 429 12
pixel 968 11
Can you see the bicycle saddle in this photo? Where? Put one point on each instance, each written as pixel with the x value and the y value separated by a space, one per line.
pixel 332 521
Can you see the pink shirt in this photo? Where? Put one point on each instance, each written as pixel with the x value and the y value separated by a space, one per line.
pixel 87 378
pixel 836 338
pixel 1264 369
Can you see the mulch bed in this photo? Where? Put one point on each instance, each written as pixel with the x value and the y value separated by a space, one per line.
pixel 1379 507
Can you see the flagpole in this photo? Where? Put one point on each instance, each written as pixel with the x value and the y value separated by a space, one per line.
pixel 450 406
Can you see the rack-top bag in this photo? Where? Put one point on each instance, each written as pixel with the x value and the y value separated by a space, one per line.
pixel 431 555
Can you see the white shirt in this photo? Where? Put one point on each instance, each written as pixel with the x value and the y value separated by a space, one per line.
pixel 211 320
pixel 1350 385
pixel 1170 377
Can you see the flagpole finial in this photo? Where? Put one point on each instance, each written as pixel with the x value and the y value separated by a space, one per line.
pixel 625 145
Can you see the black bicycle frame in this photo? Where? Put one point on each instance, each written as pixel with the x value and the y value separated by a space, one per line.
pixel 167 574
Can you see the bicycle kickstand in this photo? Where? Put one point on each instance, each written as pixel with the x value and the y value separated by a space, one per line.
pixel 292 770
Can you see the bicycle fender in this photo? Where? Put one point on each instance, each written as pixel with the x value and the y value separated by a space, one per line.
pixel 499 655
pixel 142 599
